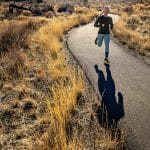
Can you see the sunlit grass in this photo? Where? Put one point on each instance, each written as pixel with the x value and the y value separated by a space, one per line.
pixel 129 29
pixel 67 83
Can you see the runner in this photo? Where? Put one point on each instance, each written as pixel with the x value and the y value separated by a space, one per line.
pixel 105 23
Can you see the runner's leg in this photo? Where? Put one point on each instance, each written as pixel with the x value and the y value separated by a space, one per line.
pixel 100 39
pixel 107 41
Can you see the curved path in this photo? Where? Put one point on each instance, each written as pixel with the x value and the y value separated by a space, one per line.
pixel 130 76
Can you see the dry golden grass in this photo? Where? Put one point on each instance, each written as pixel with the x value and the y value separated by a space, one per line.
pixel 19 105
pixel 38 87
pixel 133 29
pixel 36 68
pixel 67 83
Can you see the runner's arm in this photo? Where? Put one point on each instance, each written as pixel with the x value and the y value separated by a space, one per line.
pixel 111 24
pixel 97 22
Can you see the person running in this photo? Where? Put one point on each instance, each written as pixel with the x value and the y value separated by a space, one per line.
pixel 105 23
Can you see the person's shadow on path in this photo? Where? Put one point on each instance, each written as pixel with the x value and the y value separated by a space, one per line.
pixel 111 109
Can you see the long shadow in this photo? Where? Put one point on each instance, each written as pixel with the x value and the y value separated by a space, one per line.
pixel 111 109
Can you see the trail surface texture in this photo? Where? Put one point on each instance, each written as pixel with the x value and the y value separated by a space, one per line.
pixel 127 75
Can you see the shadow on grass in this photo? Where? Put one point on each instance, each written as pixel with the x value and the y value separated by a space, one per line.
pixel 111 109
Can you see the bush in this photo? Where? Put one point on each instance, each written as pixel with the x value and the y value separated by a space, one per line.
pixel 15 35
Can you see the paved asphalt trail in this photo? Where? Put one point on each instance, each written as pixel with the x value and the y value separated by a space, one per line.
pixel 131 77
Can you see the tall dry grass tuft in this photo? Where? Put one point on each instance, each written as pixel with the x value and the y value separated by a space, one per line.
pixel 60 107
pixel 12 60
pixel 13 66
pixel 14 34
pixel 13 40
